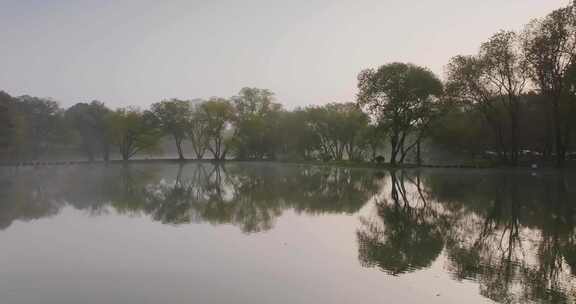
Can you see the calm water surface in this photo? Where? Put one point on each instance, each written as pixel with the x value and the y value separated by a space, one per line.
pixel 269 233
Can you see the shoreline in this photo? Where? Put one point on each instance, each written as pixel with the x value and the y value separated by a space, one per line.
pixel 344 164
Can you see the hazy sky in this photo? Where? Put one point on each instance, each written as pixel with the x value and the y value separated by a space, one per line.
pixel 306 51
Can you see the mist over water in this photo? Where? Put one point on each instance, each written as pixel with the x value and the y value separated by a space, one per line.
pixel 263 232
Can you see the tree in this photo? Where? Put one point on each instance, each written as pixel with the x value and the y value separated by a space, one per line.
pixel 173 118
pixel 339 127
pixel 133 131
pixel 252 101
pixel 7 124
pixel 426 114
pixel 256 123
pixel 506 70
pixel 550 47
pixel 91 122
pixel 461 131
pixel 297 139
pixel 353 124
pixel 198 129
pixel 323 122
pixel 42 124
pixel 219 115
pixel 493 82
pixel 396 95
pixel 569 107
pixel 374 139
pixel 469 85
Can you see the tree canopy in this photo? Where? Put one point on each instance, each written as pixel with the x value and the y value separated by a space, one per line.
pixel 398 97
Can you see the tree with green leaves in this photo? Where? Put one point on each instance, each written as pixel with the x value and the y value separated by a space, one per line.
pixel 90 120
pixel 323 122
pixel 257 124
pixel 42 124
pixel 134 131
pixel 297 139
pixel 219 115
pixel 7 125
pixel 339 127
pixel 173 117
pixel 198 132
pixel 353 125
pixel 396 95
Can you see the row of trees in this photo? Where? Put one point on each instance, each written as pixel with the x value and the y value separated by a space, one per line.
pixel 514 100
pixel 250 125
pixel 515 97
pixel 523 79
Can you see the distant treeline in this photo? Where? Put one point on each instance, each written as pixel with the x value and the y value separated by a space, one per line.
pixel 512 102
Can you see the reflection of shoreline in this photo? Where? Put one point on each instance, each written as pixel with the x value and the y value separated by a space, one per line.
pixel 249 196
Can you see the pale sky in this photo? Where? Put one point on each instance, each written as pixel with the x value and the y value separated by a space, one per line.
pixel 136 52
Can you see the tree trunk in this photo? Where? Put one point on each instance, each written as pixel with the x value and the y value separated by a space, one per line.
pixel 199 155
pixel 180 153
pixel 89 151
pixel 199 150
pixel 394 149
pixel 560 152
pixel 125 150
pixel 179 176
pixel 178 142
pixel 547 153
pixel 418 156
pixel 514 135
pixel 403 154
pixel 105 152
pixel 401 147
pixel 501 149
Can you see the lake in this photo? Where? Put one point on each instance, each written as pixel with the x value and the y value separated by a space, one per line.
pixel 279 233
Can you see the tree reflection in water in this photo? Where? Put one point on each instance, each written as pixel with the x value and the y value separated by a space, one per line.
pixel 510 231
pixel 405 235
pixel 248 196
